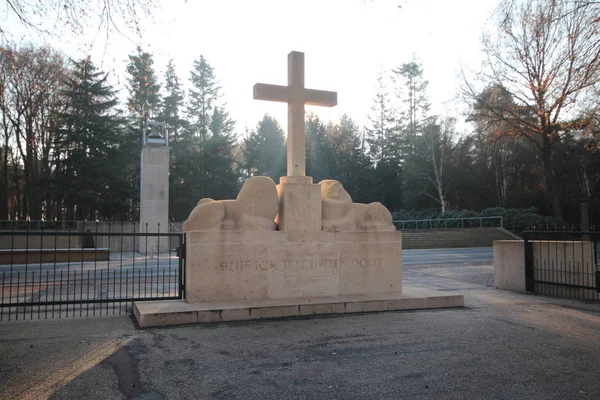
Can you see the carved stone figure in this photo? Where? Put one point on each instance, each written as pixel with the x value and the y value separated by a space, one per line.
pixel 340 214
pixel 254 209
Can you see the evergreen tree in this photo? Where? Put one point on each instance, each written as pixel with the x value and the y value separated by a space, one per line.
pixel 264 149
pixel 352 167
pixel 202 97
pixel 172 103
pixel 144 90
pixel 416 104
pixel 320 161
pixel 385 150
pixel 382 135
pixel 205 164
pixel 88 135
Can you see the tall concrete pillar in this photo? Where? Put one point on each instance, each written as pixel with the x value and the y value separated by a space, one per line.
pixel 154 192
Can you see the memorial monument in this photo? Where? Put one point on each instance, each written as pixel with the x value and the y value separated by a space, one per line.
pixel 296 248
pixel 154 188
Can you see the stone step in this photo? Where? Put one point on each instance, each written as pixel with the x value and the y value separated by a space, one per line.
pixel 179 312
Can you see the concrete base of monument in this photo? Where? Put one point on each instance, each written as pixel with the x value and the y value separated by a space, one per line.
pixel 180 312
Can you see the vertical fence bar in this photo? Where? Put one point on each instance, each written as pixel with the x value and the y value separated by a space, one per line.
pixel 157 259
pixel 41 259
pixel 12 259
pixel 145 260
pixel 529 276
pixel 26 264
pixel 2 308
pixel 181 277
pixel 47 290
pixel 87 307
pixel 585 269
pixel 18 289
pixel 121 269
pixel 133 266
pixel 60 294
pixel 96 269
pixel 596 244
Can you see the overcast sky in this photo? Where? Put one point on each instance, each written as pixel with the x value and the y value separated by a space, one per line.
pixel 346 44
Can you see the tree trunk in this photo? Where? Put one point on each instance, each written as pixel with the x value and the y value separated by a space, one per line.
pixel 552 190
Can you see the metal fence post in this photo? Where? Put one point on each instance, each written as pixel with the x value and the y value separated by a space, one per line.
pixel 528 250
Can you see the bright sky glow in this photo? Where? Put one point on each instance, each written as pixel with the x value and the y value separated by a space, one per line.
pixel 346 44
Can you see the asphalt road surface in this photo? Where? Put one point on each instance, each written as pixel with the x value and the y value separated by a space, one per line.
pixel 501 345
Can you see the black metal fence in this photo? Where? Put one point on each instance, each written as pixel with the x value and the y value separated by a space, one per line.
pixel 65 274
pixel 563 264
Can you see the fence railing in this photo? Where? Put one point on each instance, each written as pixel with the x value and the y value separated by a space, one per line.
pixel 65 225
pixel 563 264
pixel 450 223
pixel 54 274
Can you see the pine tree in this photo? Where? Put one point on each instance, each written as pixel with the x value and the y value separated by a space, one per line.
pixel 264 149
pixel 88 135
pixel 144 90
pixel 204 158
pixel 202 98
pixel 416 104
pixel 320 161
pixel 172 103
pixel 382 135
pixel 352 165
pixel 385 149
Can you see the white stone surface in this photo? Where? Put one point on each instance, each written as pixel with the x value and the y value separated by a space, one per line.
pixel 254 209
pixel 166 313
pixel 244 265
pixel 299 206
pixel 154 198
pixel 338 213
pixel 509 265
pixel 296 95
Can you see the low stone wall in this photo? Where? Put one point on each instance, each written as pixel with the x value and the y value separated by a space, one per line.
pixel 509 265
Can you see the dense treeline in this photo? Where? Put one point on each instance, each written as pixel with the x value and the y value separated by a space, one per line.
pixel 70 150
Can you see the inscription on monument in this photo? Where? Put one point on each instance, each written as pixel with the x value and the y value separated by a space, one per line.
pixel 321 264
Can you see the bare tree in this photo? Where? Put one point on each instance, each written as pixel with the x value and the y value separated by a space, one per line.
pixel 108 15
pixel 31 79
pixel 431 162
pixel 546 54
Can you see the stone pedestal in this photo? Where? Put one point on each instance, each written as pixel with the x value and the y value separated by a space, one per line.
pixel 245 275
pixel 225 266
pixel 154 198
pixel 299 204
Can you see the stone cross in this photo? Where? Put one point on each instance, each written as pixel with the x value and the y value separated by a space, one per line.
pixel 296 95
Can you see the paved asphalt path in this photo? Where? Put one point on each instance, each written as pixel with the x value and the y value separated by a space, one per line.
pixel 502 345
